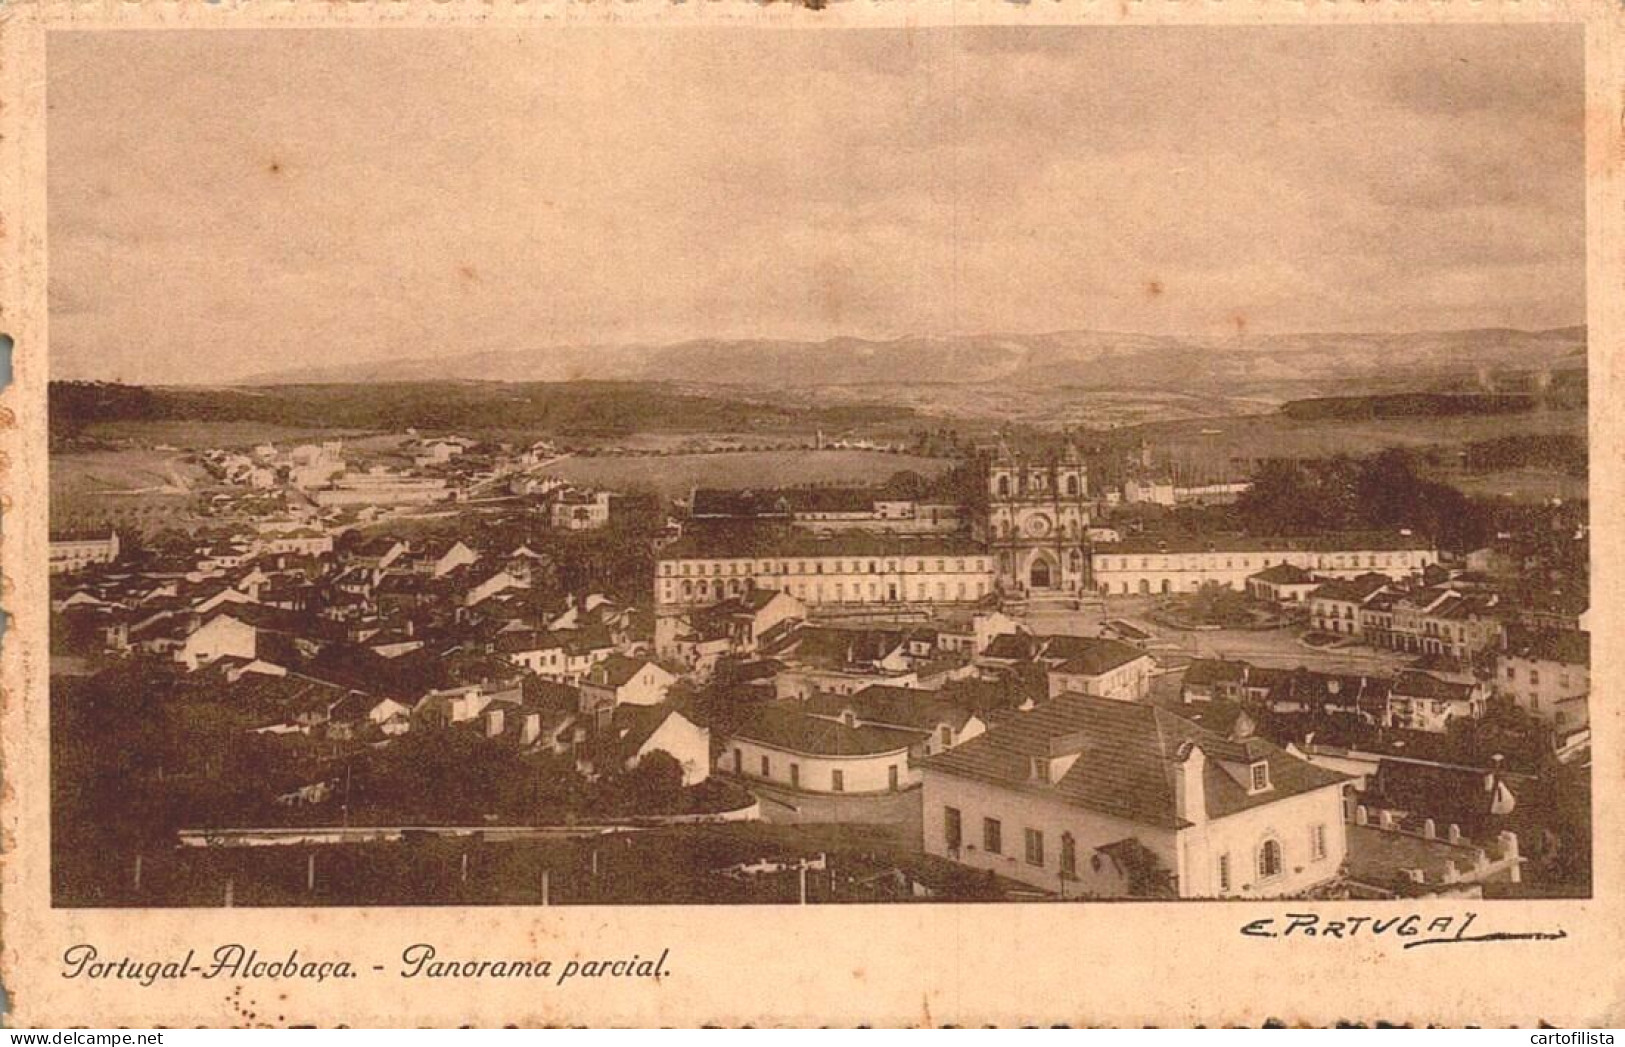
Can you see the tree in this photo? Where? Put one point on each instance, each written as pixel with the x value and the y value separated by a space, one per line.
pixel 655 785
pixel 1215 603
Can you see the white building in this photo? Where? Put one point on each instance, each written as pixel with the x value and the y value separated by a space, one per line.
pixel 1548 675
pixel 851 570
pixel 73 552
pixel 1423 701
pixel 1146 566
pixel 619 680
pixel 224 635
pixel 1104 669
pixel 1092 796
pixel 781 745
pixel 581 510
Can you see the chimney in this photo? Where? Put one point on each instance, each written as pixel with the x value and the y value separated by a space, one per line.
pixel 1190 791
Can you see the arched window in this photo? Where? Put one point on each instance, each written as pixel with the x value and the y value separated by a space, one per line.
pixel 1071 485
pixel 1269 859
pixel 1004 487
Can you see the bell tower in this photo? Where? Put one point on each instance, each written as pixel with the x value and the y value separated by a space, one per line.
pixel 1038 521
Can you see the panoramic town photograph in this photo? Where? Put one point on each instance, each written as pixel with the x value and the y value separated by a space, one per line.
pixel 704 466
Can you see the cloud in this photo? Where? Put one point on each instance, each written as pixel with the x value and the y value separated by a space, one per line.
pixel 232 197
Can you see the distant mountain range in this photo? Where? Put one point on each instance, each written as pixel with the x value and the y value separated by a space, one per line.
pixel 1082 359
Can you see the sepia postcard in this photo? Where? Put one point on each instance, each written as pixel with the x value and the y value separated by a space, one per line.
pixel 850 513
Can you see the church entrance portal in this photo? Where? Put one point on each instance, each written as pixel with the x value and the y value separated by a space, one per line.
pixel 1042 577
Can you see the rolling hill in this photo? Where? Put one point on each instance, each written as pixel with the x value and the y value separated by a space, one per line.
pixel 1079 359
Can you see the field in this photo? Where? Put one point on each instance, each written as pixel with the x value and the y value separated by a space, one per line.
pixel 674 475
pixel 126 472
pixel 1521 485
pixel 196 435
pixel 1275 435
pixel 1225 447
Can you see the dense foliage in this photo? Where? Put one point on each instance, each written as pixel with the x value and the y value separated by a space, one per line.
pixel 1382 492
pixel 582 409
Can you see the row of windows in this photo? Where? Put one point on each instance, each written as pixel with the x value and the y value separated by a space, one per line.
pixel 838 592
pixel 1071 484
pixel 837 777
pixel 690 568
pixel 1564 680
pixel 1269 858
pixel 1032 841
pixel 1347 561
pixel 1328 611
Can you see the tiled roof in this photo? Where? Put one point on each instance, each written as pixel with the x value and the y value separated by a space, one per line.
pixel 616 670
pixel 1426 685
pixel 898 706
pixel 1205 672
pixel 1354 590
pixel 1128 753
pixel 829 647
pixel 1092 657
pixel 1568 646
pixel 1284 574
pixel 733 542
pixel 1363 541
pixel 783 726
pixel 1016 647
pixel 520 641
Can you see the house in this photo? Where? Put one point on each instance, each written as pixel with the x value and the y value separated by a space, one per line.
pixel 496 582
pixel 549 719
pixel 943 722
pixel 1547 674
pixel 223 634
pixel 1093 796
pixel 575 510
pixel 1283 583
pixel 359 715
pixel 1213 680
pixel 698 645
pixel 537 652
pixel 962 633
pixel 782 745
pixel 378 553
pixel 1104 668
pixel 1475 799
pixel 1425 701
pixel 453 705
pixel 1334 607
pixel 302 541
pixel 1439 621
pixel 440 558
pixel 284 704
pixel 635 731
pixel 619 680
pixel 753 615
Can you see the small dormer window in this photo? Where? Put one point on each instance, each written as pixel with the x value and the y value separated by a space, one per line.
pixel 1040 769
pixel 1260 777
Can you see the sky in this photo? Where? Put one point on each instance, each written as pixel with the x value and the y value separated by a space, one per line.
pixel 228 203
